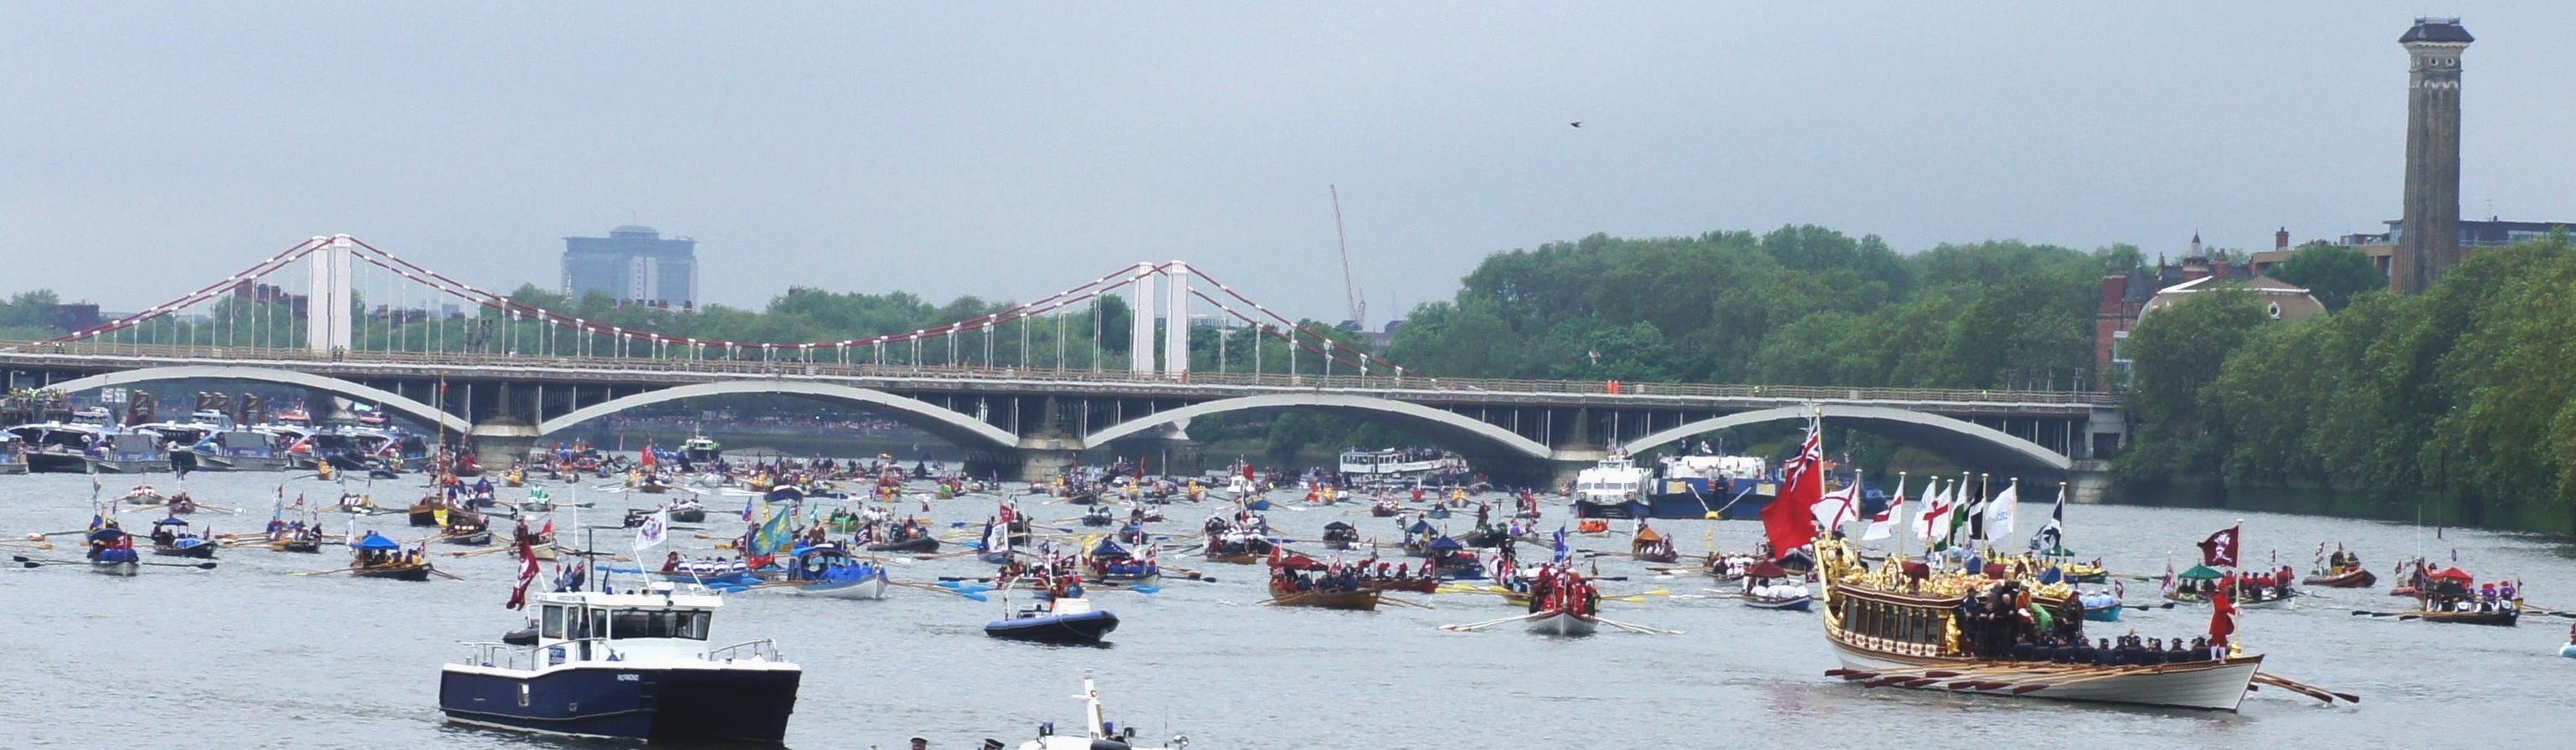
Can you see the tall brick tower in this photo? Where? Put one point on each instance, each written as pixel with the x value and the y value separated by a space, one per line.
pixel 2432 221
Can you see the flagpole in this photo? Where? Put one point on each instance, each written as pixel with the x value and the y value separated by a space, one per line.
pixel 1900 503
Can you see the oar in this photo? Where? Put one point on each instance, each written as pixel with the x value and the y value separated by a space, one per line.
pixel 1634 628
pixel 325 572
pixel 199 566
pixel 2145 607
pixel 977 596
pixel 1476 626
pixel 1392 600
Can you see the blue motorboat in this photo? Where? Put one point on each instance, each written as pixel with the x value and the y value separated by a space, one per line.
pixel 1064 620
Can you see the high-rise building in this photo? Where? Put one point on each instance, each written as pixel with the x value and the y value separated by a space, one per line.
pixel 2428 242
pixel 635 265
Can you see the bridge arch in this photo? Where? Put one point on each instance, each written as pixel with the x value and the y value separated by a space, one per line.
pixel 1434 423
pixel 962 430
pixel 1982 444
pixel 331 385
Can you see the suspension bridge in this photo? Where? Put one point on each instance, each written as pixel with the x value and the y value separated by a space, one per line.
pixel 1020 391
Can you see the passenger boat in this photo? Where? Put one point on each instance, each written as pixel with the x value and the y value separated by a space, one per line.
pixel 688 511
pixel 374 556
pixel 111 551
pixel 171 538
pixel 468 529
pixel 630 666
pixel 1061 620
pixel 1384 509
pixel 828 570
pixel 1612 488
pixel 1894 627
pixel 1099 515
pixel 1099 733
pixel 56 447
pixel 1400 466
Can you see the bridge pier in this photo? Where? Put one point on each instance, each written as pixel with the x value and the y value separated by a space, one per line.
pixel 502 441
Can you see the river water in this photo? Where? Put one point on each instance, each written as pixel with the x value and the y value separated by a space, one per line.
pixel 250 655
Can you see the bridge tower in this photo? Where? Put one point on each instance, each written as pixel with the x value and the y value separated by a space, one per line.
pixel 1176 322
pixel 1140 320
pixel 327 304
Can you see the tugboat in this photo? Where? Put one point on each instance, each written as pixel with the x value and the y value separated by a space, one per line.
pixel 1098 732
pixel 625 666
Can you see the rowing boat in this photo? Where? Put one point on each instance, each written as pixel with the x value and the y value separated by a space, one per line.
pixel 1561 623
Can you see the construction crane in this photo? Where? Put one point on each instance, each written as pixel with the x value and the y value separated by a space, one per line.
pixel 1350 289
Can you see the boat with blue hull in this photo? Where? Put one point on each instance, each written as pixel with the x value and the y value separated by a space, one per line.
pixel 626 666
pixel 1064 620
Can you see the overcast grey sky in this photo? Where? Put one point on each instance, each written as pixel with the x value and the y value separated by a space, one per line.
pixel 1010 150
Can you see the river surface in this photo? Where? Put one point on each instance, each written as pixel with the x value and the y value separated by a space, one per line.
pixel 251 655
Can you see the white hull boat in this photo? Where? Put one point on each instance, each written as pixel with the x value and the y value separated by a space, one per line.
pixel 2209 685
pixel 1564 624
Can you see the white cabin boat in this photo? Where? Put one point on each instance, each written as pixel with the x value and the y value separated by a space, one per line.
pixel 628 666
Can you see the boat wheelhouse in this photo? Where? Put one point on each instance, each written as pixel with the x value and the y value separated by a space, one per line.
pixel 629 666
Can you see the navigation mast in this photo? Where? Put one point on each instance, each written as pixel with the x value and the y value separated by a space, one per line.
pixel 1350 290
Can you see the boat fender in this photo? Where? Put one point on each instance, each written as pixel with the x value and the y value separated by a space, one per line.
pixel 520 637
pixel 1108 745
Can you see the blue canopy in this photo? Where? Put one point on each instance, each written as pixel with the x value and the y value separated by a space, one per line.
pixel 1417 528
pixel 1446 543
pixel 785 494
pixel 374 541
pixel 1108 550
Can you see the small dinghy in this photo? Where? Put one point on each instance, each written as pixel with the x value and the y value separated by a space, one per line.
pixel 1062 620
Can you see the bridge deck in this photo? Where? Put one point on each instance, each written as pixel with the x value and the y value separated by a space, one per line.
pixel 1043 381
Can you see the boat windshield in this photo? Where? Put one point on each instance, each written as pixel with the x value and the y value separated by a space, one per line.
pixel 659 623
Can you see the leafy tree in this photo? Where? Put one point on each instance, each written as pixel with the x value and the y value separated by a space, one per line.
pixel 2333 273
pixel 2176 353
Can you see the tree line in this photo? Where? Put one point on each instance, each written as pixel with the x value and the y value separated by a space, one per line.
pixel 2465 393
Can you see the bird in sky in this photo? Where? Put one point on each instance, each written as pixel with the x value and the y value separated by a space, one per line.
pixel 1578 123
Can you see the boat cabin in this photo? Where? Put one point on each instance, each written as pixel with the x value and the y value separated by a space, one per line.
pixel 658 624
